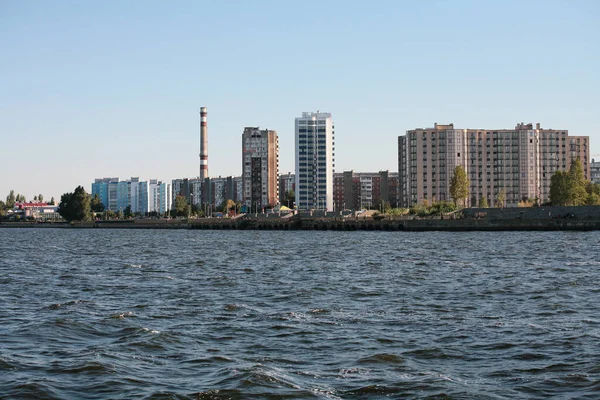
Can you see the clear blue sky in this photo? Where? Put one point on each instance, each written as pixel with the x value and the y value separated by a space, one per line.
pixel 113 88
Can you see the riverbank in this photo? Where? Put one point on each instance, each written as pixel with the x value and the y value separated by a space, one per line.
pixel 585 218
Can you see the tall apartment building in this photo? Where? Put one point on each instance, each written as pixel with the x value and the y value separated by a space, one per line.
pixel 159 196
pixel 260 168
pixel 134 185
pixel 315 161
pixel 106 189
pixel 364 190
pixel 123 195
pixel 518 161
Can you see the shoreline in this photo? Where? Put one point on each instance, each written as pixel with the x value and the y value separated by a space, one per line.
pixel 330 224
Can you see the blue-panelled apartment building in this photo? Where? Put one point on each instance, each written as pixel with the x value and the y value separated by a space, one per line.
pixel 142 196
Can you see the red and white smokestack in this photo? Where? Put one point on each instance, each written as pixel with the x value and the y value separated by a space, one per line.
pixel 203 144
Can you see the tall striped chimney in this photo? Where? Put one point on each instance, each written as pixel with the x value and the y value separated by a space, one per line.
pixel 203 144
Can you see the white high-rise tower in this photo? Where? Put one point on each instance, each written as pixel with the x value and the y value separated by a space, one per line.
pixel 315 161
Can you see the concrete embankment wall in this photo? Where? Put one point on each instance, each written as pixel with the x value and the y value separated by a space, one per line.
pixel 533 213
pixel 136 224
pixel 474 219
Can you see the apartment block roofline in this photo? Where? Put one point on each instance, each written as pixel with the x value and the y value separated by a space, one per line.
pixel 520 126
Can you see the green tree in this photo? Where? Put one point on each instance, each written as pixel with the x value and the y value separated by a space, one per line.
pixel 501 198
pixel 75 206
pixel 227 205
pixel 10 200
pixel 559 188
pixel 289 198
pixel 182 209
pixel 442 207
pixel 576 184
pixel 2 209
pixel 483 203
pixel 52 203
pixel 459 185
pixel 196 211
pixel 593 190
pixel 570 188
pixel 96 204
pixel 40 197
pixel 128 212
pixel 35 198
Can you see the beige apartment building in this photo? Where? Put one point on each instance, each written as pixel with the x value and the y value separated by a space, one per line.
pixel 519 161
pixel 260 168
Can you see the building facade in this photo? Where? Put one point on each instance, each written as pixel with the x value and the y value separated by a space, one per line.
pixel 208 193
pixel 260 168
pixel 225 188
pixel 106 189
pixel 191 188
pixel 519 162
pixel 315 162
pixel 142 196
pixel 159 197
pixel 365 190
pixel 287 183
pixel 595 171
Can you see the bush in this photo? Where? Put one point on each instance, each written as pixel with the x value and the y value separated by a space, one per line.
pixel 438 208
pixel 396 212
pixel 527 203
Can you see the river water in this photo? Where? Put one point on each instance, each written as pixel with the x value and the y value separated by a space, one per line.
pixel 158 314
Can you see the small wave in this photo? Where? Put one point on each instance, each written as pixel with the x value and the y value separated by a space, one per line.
pixel 495 346
pixel 489 316
pixel 31 390
pixel 218 395
pixel 92 368
pixel 209 360
pixel 371 390
pixel 6 364
pixel 128 265
pixel 346 372
pixel 122 315
pixel 384 358
pixel 530 356
pixel 549 368
pixel 281 327
pixel 259 380
pixel 429 353
pixel 57 306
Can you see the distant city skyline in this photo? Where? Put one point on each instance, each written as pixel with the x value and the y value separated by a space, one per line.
pixel 100 90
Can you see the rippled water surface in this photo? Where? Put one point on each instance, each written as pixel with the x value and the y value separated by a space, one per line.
pixel 298 315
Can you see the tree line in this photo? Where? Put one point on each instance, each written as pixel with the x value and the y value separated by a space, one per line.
pixel 81 206
pixel 570 188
